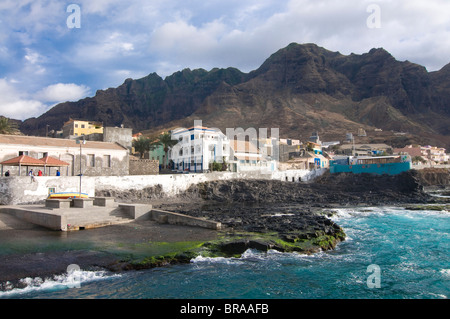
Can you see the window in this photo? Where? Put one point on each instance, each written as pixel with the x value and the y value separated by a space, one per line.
pixel 106 160
pixel 181 152
pixel 91 160
pixel 76 125
pixel 82 125
pixel 192 149
pixel 23 153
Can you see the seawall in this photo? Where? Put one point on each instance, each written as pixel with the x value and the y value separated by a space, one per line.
pixel 19 190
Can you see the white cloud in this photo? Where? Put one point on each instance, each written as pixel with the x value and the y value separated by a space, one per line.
pixel 62 92
pixel 33 63
pixel 245 36
pixel 17 105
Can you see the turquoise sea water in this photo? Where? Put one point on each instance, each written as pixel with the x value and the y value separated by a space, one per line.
pixel 409 248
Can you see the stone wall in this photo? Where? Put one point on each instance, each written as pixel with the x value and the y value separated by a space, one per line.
pixel 143 167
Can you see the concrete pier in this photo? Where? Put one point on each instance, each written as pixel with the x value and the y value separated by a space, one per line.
pixel 73 214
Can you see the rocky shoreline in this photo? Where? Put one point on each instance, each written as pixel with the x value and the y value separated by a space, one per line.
pixel 284 216
pixel 262 215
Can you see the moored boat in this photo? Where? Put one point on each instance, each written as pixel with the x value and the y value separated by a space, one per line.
pixel 65 195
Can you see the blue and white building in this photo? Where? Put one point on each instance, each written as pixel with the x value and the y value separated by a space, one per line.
pixel 197 147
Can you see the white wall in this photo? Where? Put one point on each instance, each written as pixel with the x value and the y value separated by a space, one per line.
pixel 172 185
pixel 21 190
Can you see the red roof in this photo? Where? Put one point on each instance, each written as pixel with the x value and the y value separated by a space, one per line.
pixel 51 161
pixel 412 151
pixel 23 160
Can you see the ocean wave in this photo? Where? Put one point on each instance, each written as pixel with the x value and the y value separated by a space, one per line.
pixel 71 279
pixel 250 255
pixel 350 213
pixel 222 260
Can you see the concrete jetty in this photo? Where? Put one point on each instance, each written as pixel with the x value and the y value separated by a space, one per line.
pixel 87 213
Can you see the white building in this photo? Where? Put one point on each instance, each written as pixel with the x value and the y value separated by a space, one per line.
pixel 90 158
pixel 245 156
pixel 198 147
pixel 435 154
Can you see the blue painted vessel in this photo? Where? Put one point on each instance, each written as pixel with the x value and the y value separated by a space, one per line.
pixel 391 165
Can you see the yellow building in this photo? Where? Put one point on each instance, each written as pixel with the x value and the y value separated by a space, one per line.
pixel 79 127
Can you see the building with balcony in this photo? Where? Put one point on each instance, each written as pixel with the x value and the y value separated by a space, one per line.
pixel 197 148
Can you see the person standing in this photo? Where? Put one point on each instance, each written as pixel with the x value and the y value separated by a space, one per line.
pixel 31 173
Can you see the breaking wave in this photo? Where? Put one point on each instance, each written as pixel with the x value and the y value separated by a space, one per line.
pixel 71 279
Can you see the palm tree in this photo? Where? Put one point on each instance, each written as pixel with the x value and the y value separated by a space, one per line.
pixel 166 140
pixel 7 127
pixel 145 144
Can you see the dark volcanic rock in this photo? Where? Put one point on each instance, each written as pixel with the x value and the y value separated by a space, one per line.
pixel 343 189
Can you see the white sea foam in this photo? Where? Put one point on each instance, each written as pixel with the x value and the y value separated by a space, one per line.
pixel 248 255
pixel 446 272
pixel 72 279
pixel 208 260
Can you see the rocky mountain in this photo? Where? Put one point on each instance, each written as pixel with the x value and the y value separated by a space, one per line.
pixel 299 89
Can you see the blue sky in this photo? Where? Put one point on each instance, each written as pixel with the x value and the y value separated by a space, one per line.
pixel 43 61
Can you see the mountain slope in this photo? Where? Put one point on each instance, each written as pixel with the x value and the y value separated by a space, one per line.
pixel 298 89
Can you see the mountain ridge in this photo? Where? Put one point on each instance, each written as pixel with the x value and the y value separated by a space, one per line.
pixel 300 88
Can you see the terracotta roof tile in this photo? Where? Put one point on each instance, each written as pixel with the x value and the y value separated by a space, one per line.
pixel 23 160
pixel 51 161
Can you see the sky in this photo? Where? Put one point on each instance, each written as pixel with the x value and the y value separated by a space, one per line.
pixel 53 51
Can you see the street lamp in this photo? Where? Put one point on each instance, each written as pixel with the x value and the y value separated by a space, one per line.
pixel 80 142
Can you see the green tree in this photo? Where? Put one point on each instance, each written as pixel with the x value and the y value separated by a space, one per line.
pixel 145 144
pixel 416 159
pixel 167 142
pixel 7 127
